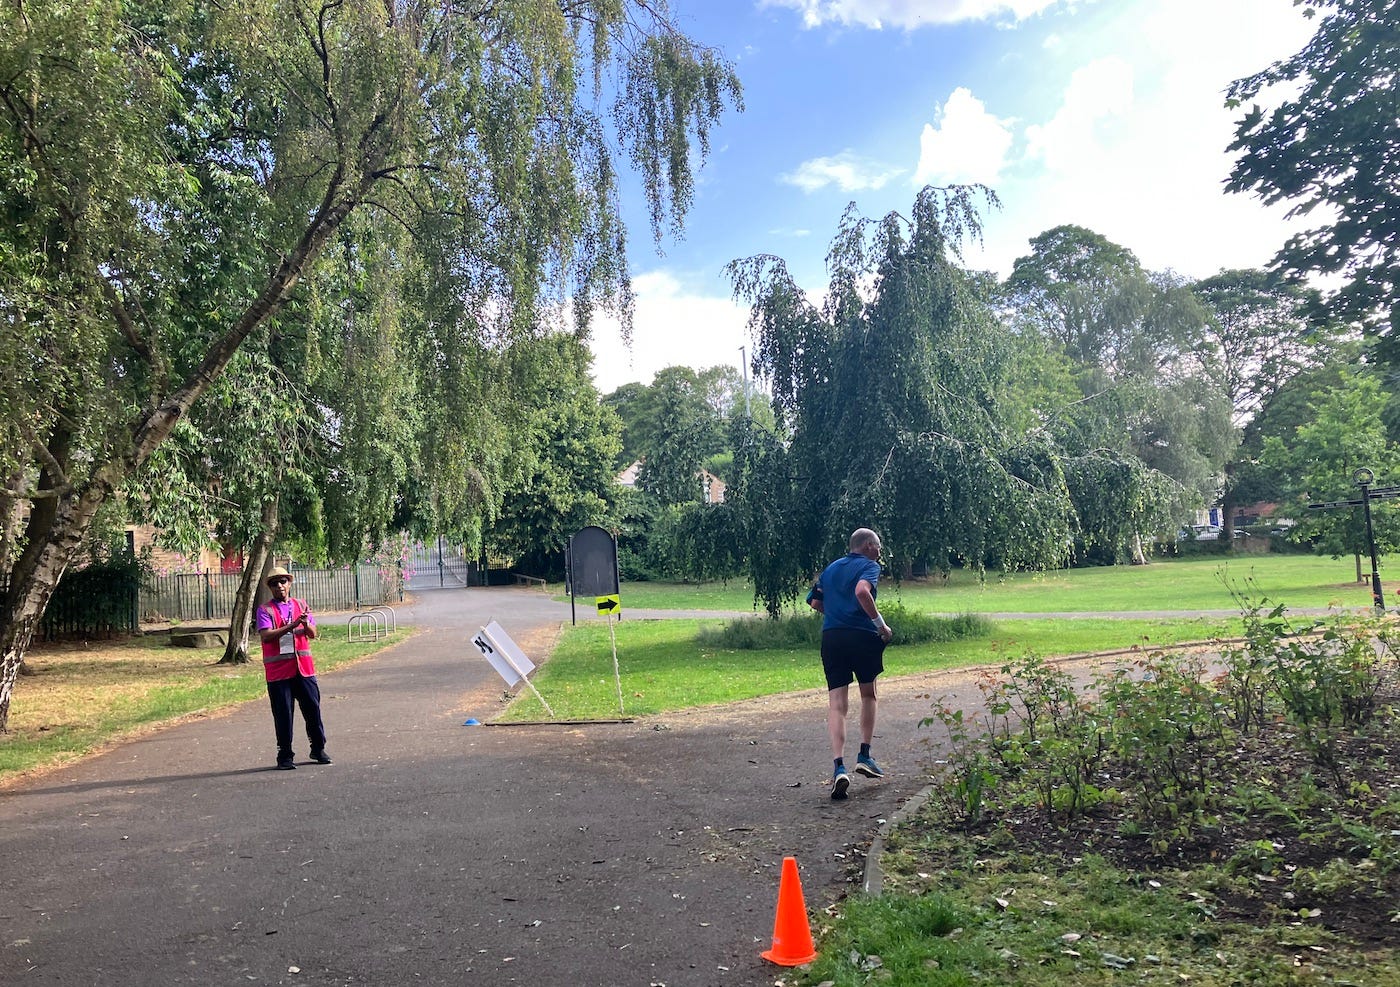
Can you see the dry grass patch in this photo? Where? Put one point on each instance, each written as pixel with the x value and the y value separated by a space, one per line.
pixel 77 698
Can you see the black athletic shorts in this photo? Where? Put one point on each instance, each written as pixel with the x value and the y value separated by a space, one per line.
pixel 848 652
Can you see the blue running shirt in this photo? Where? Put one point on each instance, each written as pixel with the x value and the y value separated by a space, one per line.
pixel 838 592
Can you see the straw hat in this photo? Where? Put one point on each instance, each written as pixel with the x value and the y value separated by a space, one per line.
pixel 275 573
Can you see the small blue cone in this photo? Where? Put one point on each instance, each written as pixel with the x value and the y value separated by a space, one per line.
pixel 472 721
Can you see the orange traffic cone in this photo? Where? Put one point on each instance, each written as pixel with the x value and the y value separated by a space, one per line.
pixel 792 934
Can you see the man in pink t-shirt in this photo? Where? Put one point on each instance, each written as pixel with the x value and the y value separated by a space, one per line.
pixel 286 628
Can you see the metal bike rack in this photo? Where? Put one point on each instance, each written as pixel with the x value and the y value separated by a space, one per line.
pixel 390 618
pixel 366 623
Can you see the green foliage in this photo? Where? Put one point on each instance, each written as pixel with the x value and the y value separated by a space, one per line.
pixel 1116 497
pixel 1194 831
pixel 673 424
pixel 913 627
pixel 1326 148
pixel 903 939
pixel 923 454
pixel 681 423
pixel 1086 294
pixel 565 446
pixel 681 542
pixel 705 542
pixel 750 634
pixel 684 431
pixel 98 599
pixel 780 536
pixel 1159 739
pixel 1058 747
pixel 1343 431
pixel 970 771
pixel 1144 419
pixel 1167 733
pixel 805 630
pixel 1262 331
pixel 1324 677
pixel 187 185
pixel 1262 334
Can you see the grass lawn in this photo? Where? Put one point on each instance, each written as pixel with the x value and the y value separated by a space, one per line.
pixel 1297 581
pixel 664 669
pixel 80 697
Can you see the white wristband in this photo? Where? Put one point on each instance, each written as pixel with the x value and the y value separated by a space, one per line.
pixel 880 624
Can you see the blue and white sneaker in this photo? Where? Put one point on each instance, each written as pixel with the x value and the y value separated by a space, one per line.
pixel 865 765
pixel 840 781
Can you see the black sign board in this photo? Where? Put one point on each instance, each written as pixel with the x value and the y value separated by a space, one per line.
pixel 592 563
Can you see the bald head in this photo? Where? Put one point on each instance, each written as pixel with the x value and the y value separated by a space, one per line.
pixel 864 540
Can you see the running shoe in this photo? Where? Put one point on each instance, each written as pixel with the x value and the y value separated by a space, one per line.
pixel 865 765
pixel 840 781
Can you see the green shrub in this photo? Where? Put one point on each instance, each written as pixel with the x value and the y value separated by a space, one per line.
pixel 794 631
pixel 790 631
pixel 913 627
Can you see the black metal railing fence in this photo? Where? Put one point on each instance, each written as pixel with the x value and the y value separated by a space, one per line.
pixel 210 595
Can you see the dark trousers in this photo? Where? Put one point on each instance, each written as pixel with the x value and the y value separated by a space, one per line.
pixel 285 695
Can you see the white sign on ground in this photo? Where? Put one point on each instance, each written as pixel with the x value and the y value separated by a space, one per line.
pixel 503 653
pixel 507 659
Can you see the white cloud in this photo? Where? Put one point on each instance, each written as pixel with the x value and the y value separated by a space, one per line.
pixel 848 171
pixel 1098 92
pixel 673 326
pixel 907 14
pixel 1136 149
pixel 968 144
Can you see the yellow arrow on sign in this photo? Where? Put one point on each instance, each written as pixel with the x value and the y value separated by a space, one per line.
pixel 610 604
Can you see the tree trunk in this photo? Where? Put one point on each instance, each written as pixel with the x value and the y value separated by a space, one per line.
pixel 53 540
pixel 1136 554
pixel 10 517
pixel 1229 502
pixel 1361 576
pixel 250 588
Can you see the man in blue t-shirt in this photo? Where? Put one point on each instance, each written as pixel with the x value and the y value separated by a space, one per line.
pixel 854 636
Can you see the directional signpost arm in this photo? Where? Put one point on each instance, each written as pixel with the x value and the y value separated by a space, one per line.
pixel 1364 479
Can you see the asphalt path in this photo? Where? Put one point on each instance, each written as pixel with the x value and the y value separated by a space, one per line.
pixel 432 852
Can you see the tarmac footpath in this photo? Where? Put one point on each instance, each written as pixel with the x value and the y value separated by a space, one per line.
pixel 431 852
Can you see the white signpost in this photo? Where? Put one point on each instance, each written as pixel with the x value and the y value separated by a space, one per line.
pixel 611 607
pixel 507 659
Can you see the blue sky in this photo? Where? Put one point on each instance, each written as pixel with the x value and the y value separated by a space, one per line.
pixel 1104 113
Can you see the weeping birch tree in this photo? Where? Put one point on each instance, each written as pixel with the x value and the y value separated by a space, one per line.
pixel 893 392
pixel 173 170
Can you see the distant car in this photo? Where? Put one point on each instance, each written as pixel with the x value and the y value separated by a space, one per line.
pixel 1202 532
